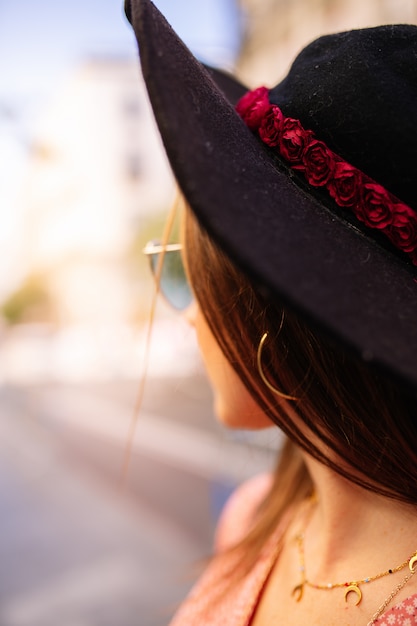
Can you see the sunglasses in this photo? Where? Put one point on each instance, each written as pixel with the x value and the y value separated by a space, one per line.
pixel 173 282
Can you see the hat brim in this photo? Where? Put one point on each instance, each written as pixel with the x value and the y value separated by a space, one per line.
pixel 266 221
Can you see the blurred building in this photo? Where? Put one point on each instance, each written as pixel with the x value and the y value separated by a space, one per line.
pixel 276 30
pixel 96 172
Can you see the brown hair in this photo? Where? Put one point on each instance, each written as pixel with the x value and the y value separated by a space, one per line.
pixel 363 417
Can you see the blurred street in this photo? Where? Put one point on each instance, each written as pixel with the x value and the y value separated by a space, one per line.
pixel 77 549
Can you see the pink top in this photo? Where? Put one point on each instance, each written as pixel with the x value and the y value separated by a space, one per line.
pixel 237 607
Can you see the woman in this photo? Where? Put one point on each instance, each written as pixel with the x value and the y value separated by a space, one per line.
pixel 301 250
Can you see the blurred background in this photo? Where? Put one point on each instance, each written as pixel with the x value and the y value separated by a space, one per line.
pixel 84 184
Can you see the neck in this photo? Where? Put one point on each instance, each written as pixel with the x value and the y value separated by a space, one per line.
pixel 351 527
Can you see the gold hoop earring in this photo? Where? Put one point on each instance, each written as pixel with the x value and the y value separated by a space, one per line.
pixel 271 387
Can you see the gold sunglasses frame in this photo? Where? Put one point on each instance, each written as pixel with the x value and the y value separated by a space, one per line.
pixel 153 248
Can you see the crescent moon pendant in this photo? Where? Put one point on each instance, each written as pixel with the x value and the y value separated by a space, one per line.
pixel 412 562
pixel 354 589
pixel 297 592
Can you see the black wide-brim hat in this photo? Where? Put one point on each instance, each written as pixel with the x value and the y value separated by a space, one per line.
pixel 357 92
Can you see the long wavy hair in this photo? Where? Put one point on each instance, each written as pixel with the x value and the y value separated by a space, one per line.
pixel 365 419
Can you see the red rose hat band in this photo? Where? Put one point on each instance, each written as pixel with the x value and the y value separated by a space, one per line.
pixel 350 188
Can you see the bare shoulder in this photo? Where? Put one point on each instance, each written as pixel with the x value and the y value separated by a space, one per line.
pixel 240 511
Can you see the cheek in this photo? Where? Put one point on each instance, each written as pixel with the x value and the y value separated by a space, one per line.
pixel 233 404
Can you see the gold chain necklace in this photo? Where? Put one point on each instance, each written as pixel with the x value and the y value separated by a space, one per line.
pixel 352 586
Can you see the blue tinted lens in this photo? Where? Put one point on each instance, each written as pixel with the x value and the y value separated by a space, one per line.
pixel 173 281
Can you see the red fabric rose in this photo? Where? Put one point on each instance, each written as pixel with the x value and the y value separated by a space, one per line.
pixel 253 106
pixel 345 184
pixel 403 229
pixel 375 209
pixel 319 163
pixel 270 129
pixel 293 141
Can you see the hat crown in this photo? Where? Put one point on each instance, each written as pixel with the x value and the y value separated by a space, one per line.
pixel 358 92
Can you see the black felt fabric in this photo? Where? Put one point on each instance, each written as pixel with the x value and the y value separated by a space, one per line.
pixel 358 92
